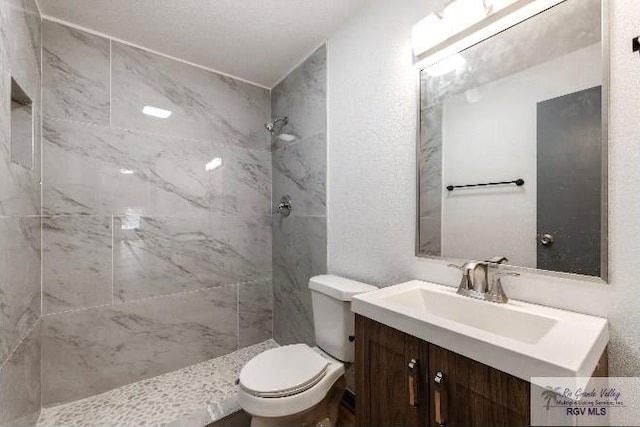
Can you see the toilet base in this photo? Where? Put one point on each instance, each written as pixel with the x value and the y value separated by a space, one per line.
pixel 324 414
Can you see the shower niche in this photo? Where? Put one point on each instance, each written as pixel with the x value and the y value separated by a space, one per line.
pixel 21 127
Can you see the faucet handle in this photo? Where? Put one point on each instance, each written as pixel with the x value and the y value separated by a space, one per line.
pixel 497 260
pixel 467 269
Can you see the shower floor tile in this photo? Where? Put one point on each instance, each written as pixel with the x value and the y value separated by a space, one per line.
pixel 193 396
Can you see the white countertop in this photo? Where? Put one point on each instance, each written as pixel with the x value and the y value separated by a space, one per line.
pixel 570 345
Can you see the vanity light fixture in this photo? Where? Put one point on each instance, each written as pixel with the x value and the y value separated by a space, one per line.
pixel 126 171
pixel 214 164
pixel 430 35
pixel 156 112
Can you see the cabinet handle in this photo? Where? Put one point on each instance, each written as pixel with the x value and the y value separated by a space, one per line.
pixel 413 383
pixel 440 399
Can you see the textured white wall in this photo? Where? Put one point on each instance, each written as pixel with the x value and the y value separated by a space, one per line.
pixel 371 195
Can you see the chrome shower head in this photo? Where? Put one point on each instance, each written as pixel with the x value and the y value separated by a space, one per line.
pixel 278 122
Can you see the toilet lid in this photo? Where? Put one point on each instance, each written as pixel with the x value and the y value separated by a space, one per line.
pixel 283 371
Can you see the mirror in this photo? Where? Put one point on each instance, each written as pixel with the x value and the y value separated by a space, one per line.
pixel 512 152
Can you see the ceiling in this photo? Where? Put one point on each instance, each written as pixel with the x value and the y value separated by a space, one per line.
pixel 255 40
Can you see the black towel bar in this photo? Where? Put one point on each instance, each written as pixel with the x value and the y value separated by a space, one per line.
pixel 519 182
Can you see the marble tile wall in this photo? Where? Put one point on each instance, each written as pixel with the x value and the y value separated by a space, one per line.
pixel 299 170
pixel 19 219
pixel 431 187
pixel 156 250
pixel 134 341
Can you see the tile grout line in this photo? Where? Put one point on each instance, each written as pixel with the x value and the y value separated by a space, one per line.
pixel 213 288
pixel 41 374
pixel 110 81
pixel 271 217
pixel 327 157
pixel 149 50
pixel 273 311
pixel 209 214
pixel 113 269
pixel 238 317
pixel 26 335
pixel 154 134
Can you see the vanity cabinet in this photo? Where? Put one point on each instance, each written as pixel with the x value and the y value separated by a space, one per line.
pixel 388 392
pixel 473 394
pixel 396 384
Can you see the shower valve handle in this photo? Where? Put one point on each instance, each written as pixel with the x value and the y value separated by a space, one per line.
pixel 285 207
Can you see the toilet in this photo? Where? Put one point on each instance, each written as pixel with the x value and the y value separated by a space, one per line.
pixel 296 385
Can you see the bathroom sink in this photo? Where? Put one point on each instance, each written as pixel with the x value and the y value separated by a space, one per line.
pixel 522 339
pixel 499 319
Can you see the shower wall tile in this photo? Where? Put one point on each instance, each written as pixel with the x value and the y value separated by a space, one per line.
pixel 76 263
pixel 21 37
pixel 19 225
pixel 165 255
pixel 299 252
pixel 302 96
pixel 20 383
pixel 204 105
pixel 242 185
pixel 95 170
pixel 150 224
pixel 5 95
pixel 19 186
pixel 255 312
pixel 19 280
pixel 300 171
pixel 75 74
pixel 91 351
pixel 20 34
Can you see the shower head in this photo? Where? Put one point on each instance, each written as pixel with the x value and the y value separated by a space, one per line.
pixel 278 123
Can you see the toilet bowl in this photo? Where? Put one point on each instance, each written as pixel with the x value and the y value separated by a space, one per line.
pixel 298 385
pixel 292 385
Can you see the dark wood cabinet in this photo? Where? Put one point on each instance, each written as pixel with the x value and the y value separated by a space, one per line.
pixel 393 393
pixel 476 394
pixel 469 394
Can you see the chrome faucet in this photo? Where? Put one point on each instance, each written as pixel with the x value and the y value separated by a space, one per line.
pixel 481 280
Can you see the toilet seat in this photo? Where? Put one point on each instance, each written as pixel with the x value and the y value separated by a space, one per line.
pixel 287 380
pixel 283 371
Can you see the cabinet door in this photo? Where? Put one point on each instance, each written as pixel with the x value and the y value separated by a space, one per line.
pixel 475 395
pixel 389 393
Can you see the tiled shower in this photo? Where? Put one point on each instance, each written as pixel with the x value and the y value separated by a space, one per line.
pixel 151 244
pixel 148 257
pixel 299 171
pixel 20 296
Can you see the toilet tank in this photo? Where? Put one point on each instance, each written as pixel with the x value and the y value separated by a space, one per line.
pixel 333 320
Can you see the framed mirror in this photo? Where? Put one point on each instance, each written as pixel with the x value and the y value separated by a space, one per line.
pixel 512 150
